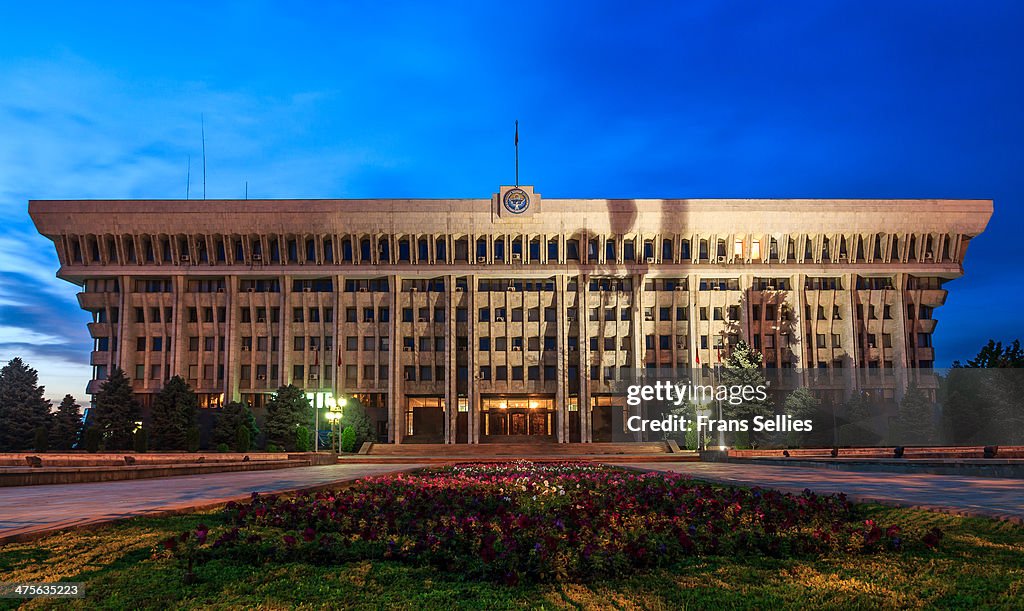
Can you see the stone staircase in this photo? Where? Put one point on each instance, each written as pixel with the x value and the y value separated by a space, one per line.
pixel 445 453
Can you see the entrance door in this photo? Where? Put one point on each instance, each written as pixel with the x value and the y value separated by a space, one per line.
pixel 517 418
pixel 539 423
pixel 517 424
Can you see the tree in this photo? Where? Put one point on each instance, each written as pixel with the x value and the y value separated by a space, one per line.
pixel 353 415
pixel 22 406
pixel 303 439
pixel 42 439
pixel 981 398
pixel 801 404
pixel 243 439
pixel 348 439
pixel 192 438
pixel 116 413
pixel 743 369
pixel 914 424
pixel 141 441
pixel 174 412
pixel 287 410
pixel 67 424
pixel 857 431
pixel 994 355
pixel 232 417
pixel 91 439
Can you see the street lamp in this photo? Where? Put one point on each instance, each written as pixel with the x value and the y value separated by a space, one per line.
pixel 333 417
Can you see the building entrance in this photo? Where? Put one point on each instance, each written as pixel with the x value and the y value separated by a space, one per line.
pixel 518 418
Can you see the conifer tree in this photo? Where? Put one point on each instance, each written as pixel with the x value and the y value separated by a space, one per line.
pixel 353 415
pixel 914 423
pixel 743 369
pixel 116 412
pixel 67 424
pixel 174 412
pixel 286 411
pixel 22 406
pixel 233 417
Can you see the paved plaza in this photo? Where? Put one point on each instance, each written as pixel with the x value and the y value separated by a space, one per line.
pixel 1001 498
pixel 29 510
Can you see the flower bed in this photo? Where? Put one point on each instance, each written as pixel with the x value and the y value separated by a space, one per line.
pixel 536 521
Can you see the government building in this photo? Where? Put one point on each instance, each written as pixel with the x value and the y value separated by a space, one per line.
pixel 483 320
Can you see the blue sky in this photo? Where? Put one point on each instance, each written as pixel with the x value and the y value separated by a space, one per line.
pixel 361 99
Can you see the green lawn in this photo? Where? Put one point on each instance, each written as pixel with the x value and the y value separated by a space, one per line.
pixel 980 563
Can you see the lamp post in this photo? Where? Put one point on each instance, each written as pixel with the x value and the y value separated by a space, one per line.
pixel 333 417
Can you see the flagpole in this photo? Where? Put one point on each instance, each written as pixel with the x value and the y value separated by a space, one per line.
pixel 517 152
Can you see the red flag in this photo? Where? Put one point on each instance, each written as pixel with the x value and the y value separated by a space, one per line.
pixel 316 358
pixel 698 358
pixel 339 358
pixel 517 133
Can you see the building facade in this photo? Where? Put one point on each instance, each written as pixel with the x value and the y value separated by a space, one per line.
pixel 475 320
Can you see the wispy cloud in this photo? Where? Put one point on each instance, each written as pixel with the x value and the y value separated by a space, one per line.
pixel 74 131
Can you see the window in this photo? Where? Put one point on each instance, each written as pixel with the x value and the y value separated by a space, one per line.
pixel 821 340
pixel 297 315
pixel 836 343
pixel 484 315
pixel 485 344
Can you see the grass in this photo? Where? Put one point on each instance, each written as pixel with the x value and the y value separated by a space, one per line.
pixel 979 564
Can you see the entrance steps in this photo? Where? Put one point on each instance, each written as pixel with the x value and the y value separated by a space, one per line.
pixel 434 453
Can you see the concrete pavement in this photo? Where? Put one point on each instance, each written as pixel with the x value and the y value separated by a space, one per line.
pixel 1001 498
pixel 28 511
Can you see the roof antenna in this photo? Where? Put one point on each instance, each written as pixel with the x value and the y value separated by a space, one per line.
pixel 202 124
pixel 188 177
pixel 247 189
